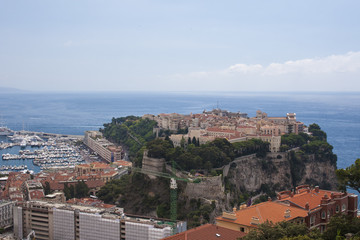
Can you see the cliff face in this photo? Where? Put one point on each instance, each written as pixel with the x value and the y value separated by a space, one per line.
pixel 244 177
pixel 257 176
pixel 248 174
pixel 280 171
pixel 319 173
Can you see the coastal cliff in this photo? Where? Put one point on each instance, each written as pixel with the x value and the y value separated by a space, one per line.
pixel 252 176
pixel 234 173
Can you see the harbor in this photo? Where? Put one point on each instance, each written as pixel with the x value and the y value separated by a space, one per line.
pixel 27 151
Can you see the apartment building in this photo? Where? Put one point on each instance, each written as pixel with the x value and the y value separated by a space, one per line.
pixel 66 221
pixel 320 204
pixel 105 149
pixel 97 170
pixel 6 214
pixel 33 189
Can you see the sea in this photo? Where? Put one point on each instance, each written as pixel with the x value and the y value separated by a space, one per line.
pixel 338 114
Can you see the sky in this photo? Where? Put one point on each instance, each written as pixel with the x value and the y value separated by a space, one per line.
pixel 138 45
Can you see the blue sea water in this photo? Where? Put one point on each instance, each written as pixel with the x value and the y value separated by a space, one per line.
pixel 73 113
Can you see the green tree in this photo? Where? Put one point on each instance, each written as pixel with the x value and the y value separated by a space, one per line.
pixel 81 190
pixel 208 166
pixel 72 191
pixel 182 143
pixel 131 132
pixel 47 188
pixel 284 148
pixel 317 132
pixel 350 176
pixel 67 191
pixel 182 131
pixel 158 148
pixel 280 230
pixel 293 140
pixel 193 141
pixel 163 210
pixel 340 225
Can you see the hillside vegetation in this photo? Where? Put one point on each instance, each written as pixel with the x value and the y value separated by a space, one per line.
pixel 214 154
pixel 132 133
pixel 315 144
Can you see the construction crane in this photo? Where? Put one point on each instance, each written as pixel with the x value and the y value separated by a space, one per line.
pixel 172 176
pixel 173 185
pixel 173 188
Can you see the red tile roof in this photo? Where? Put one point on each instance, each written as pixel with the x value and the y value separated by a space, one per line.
pixel 109 173
pixel 271 211
pixel 207 232
pixel 313 198
pixel 55 185
pixel 99 165
pixel 94 183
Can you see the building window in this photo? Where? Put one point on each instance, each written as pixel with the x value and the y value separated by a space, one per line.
pixel 323 215
pixel 337 208
pixel 328 213
pixel 343 207
pixel 312 220
pixel 242 229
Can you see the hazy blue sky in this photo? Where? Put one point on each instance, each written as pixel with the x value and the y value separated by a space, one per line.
pixel 180 45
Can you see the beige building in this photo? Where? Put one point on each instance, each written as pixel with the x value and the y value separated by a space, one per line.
pixel 105 149
pixel 172 121
pixel 275 141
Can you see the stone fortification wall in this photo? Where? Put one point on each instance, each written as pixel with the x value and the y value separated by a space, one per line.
pixel 152 164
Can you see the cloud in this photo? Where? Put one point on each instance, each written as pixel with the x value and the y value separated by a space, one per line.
pixel 349 62
pixel 331 73
pixel 244 68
